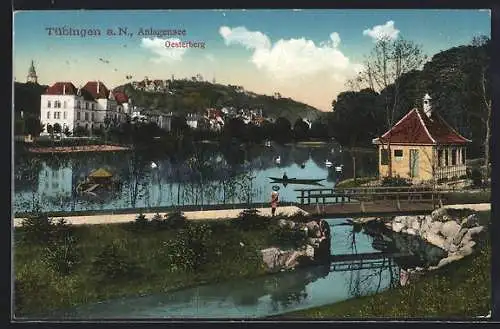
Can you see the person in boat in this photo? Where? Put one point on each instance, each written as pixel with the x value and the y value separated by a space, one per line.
pixel 285 177
pixel 274 202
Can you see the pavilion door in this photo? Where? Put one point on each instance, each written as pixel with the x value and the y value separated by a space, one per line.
pixel 414 163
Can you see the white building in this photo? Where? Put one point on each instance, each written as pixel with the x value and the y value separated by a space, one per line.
pixel 86 107
pixel 55 182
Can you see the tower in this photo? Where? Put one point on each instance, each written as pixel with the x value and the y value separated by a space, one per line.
pixel 427 105
pixel 32 77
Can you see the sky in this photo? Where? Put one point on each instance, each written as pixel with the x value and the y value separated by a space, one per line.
pixel 307 55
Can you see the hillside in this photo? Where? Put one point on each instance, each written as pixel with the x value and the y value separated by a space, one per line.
pixel 187 96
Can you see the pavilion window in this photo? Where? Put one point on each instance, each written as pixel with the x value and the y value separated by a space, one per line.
pixel 463 155
pixel 454 157
pixel 440 158
pixel 446 158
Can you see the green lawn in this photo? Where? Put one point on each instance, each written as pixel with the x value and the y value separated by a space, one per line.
pixel 40 288
pixel 461 289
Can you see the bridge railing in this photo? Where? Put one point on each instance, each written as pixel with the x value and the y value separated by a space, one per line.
pixel 349 195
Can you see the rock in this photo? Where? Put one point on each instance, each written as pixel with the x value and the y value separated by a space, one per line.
pixel 411 231
pixel 271 256
pixel 398 219
pixel 452 248
pixel 446 218
pixel 449 259
pixel 397 227
pixel 459 236
pixel 309 251
pixel 465 251
pixel 419 269
pixel 416 225
pixel 450 229
pixel 435 227
pixel 475 230
pixel 437 214
pixel 470 221
pixel 435 240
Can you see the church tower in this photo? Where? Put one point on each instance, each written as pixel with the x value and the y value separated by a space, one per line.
pixel 32 74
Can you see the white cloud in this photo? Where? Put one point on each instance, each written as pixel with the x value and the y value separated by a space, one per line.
pixel 292 58
pixel 163 53
pixel 382 31
pixel 210 57
pixel 240 35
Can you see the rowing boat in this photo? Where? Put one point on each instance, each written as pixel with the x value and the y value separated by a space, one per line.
pixel 295 180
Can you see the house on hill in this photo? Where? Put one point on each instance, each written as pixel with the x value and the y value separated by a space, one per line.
pixel 423 147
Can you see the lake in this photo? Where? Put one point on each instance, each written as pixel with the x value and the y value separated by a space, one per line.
pixel 210 175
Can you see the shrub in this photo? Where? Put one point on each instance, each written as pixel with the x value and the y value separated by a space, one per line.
pixel 395 181
pixel 141 220
pixel 175 220
pixel 189 250
pixel 477 177
pixel 62 257
pixel 113 263
pixel 250 219
pixel 39 228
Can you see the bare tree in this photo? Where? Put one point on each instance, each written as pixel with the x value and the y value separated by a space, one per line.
pixel 387 63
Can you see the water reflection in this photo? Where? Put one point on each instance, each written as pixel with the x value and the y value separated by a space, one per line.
pixel 205 174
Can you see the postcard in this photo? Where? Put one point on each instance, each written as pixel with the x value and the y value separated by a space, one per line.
pixel 251 164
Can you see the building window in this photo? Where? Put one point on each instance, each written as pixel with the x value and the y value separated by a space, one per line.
pixel 64 104
pixel 48 104
pixel 86 105
pixel 454 157
pixel 92 116
pixel 86 116
pixel 65 115
pixel 48 114
pixel 446 157
pixel 78 104
pixel 57 104
pixel 78 115
pixel 384 157
pixel 93 106
pixel 398 153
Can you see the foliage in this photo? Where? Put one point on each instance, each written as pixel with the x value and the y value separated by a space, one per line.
pixel 395 181
pixel 175 219
pixel 249 219
pixel 141 220
pixel 38 228
pixel 287 238
pixel 300 129
pixel 62 257
pixel 477 177
pixel 113 262
pixel 188 251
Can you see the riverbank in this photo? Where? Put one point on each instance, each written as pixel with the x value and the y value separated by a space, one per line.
pixel 93 263
pixel 77 149
pixel 460 289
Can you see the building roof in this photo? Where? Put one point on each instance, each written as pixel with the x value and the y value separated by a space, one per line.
pixel 61 88
pixel 100 173
pixel 120 97
pixel 91 87
pixel 418 129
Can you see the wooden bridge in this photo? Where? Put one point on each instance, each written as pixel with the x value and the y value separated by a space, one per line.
pixel 370 200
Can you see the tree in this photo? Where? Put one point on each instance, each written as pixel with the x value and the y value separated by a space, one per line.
pixel 356 120
pixel 482 61
pixel 387 63
pixel 300 129
pixel 50 129
pixel 318 129
pixel 66 131
pixel 57 128
pixel 33 126
pixel 283 131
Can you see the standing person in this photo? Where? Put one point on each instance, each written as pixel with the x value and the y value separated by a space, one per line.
pixel 274 202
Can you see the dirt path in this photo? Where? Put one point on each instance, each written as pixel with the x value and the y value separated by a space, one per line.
pixel 190 215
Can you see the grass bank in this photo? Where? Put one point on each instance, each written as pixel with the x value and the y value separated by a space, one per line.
pixel 60 266
pixel 466 197
pixel 351 182
pixel 460 289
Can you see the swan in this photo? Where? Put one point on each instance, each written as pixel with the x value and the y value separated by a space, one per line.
pixel 339 168
pixel 278 160
pixel 153 165
pixel 328 163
